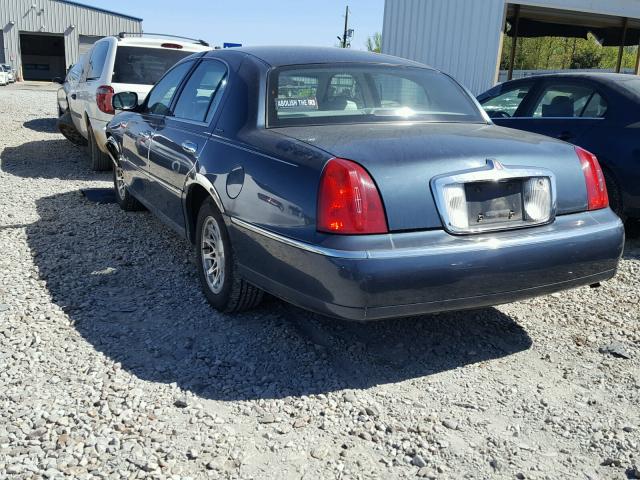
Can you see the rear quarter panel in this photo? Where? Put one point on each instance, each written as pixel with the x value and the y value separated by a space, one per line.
pixel 261 177
pixel 269 186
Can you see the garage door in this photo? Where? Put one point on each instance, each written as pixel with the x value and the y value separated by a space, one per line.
pixel 85 43
pixel 42 56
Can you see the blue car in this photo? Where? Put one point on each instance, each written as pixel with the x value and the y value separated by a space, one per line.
pixel 357 185
pixel 598 111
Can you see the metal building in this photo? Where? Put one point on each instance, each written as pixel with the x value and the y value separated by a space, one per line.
pixel 465 37
pixel 42 38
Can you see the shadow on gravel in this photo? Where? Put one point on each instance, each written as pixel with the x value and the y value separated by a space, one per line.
pixel 44 159
pixel 130 288
pixel 43 125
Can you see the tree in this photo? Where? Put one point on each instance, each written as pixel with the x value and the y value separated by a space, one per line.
pixel 586 58
pixel 374 44
pixel 556 53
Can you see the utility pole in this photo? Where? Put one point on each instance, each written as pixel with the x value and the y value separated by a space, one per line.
pixel 344 40
pixel 346 27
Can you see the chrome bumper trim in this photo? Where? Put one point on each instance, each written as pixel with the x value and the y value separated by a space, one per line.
pixel 570 226
pixel 328 252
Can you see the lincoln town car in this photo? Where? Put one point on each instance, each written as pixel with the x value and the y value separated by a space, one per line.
pixel 357 185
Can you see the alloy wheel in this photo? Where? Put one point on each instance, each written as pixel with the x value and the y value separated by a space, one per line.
pixel 212 254
pixel 120 182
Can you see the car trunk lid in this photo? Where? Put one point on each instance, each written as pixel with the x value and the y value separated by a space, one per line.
pixel 403 158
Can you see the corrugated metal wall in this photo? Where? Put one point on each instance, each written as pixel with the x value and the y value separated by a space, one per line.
pixel 52 16
pixel 459 37
pixel 85 42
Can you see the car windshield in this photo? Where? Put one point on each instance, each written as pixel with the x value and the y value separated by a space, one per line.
pixel 144 66
pixel 363 93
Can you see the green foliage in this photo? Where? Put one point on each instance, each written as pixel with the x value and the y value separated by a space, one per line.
pixel 374 44
pixel 554 53
pixel 586 59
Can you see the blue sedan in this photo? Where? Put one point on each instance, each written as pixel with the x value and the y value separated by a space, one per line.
pixel 598 111
pixel 357 185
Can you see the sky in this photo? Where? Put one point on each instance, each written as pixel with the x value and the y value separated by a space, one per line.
pixel 255 22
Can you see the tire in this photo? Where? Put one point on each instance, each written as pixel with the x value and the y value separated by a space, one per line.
pixel 67 128
pixel 127 202
pixel 100 161
pixel 231 293
pixel 615 197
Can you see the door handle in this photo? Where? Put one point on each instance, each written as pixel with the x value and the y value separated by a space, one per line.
pixel 189 147
pixel 73 96
pixel 565 136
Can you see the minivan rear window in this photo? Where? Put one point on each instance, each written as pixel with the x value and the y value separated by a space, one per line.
pixel 144 66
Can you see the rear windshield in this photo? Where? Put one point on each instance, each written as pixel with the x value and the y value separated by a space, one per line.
pixel 357 93
pixel 144 66
pixel 631 84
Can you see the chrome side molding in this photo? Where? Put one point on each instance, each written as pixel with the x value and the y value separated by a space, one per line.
pixel 114 150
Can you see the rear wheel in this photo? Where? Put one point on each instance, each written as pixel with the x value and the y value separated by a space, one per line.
pixel 126 201
pixel 217 268
pixel 615 197
pixel 100 161
pixel 68 129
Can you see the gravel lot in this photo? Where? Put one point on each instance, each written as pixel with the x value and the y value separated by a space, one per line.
pixel 113 366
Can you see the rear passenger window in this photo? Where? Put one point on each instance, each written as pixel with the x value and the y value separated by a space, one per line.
pixel 596 107
pixel 202 91
pixel 562 101
pixel 507 102
pixel 97 60
pixel 159 100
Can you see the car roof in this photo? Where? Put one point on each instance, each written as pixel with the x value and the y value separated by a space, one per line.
pixel 154 42
pixel 276 56
pixel 602 77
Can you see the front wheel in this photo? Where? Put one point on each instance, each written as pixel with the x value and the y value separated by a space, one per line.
pixel 127 202
pixel 217 269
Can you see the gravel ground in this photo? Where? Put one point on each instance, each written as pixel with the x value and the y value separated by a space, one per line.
pixel 113 366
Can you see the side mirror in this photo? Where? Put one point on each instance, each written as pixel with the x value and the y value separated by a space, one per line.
pixel 125 101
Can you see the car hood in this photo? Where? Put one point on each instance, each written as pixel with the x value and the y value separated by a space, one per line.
pixel 402 158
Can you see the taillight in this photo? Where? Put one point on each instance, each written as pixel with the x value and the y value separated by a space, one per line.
pixel 104 94
pixel 594 178
pixel 348 200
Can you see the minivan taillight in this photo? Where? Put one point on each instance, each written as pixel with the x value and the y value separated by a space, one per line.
pixel 104 94
pixel 349 201
pixel 594 178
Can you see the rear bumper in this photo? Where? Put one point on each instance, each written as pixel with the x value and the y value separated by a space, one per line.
pixel 366 278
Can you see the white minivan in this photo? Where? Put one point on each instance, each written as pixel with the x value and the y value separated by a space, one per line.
pixel 116 64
